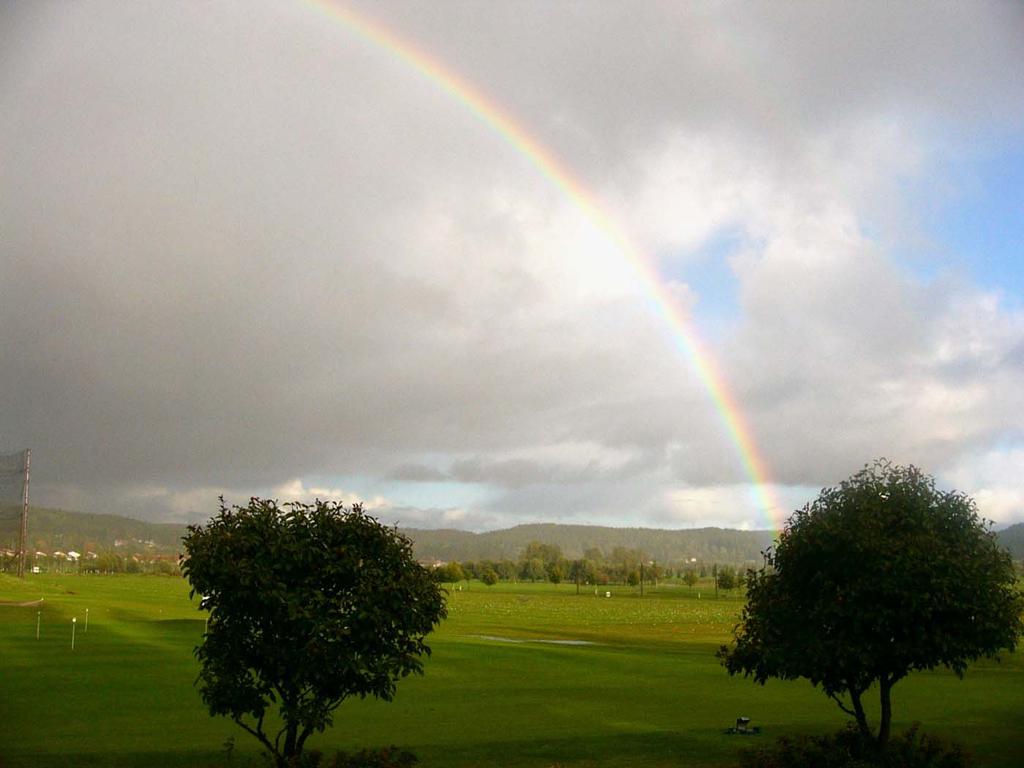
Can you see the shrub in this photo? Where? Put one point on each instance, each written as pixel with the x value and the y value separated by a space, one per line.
pixel 850 749
pixel 388 757
pixel 920 750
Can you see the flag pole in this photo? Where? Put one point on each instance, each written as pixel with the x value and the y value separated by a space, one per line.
pixel 24 516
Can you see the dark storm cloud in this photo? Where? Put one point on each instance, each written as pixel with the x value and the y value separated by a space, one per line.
pixel 243 246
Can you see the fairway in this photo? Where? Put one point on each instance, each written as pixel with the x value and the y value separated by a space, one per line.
pixel 521 675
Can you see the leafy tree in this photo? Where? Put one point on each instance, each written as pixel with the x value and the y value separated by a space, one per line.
pixel 542 561
pixel 309 604
pixel 533 569
pixel 880 576
pixel 165 568
pixel 547 553
pixel 727 578
pixel 628 559
pixel 584 571
pixel 654 573
pixel 555 573
pixel 489 576
pixel 690 577
pixel 506 569
pixel 449 573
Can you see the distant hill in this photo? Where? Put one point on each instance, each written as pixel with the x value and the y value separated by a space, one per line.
pixel 721 545
pixel 51 529
pixel 1013 539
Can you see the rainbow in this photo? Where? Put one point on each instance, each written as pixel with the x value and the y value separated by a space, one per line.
pixel 493 116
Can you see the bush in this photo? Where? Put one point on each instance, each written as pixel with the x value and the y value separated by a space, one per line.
pixel 849 749
pixel 389 757
pixel 919 750
pixel 839 750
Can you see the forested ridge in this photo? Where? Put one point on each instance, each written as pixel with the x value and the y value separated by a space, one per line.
pixel 722 545
pixel 1013 539
pixel 51 529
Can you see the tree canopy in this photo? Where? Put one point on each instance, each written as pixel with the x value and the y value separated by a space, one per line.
pixel 309 604
pixel 880 576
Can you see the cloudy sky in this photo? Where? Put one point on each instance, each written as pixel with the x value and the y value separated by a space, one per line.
pixel 247 249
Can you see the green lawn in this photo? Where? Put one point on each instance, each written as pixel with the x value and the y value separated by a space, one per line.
pixel 645 691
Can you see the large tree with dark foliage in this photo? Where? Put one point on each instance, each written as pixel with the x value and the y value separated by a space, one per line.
pixel 883 575
pixel 309 604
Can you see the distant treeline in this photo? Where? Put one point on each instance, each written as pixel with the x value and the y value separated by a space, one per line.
pixel 107 562
pixel 1013 539
pixel 711 545
pixel 622 565
pixel 52 530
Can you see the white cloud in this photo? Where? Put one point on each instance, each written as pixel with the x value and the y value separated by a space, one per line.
pixel 297 490
pixel 995 479
pixel 234 271
pixel 728 506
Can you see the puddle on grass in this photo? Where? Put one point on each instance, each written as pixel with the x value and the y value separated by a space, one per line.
pixel 500 639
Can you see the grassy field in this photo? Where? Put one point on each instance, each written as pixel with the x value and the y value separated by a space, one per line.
pixel 637 685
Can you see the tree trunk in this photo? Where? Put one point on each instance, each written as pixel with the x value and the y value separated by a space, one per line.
pixel 858 710
pixel 291 749
pixel 884 727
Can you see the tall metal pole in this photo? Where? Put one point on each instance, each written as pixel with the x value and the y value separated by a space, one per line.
pixel 24 517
